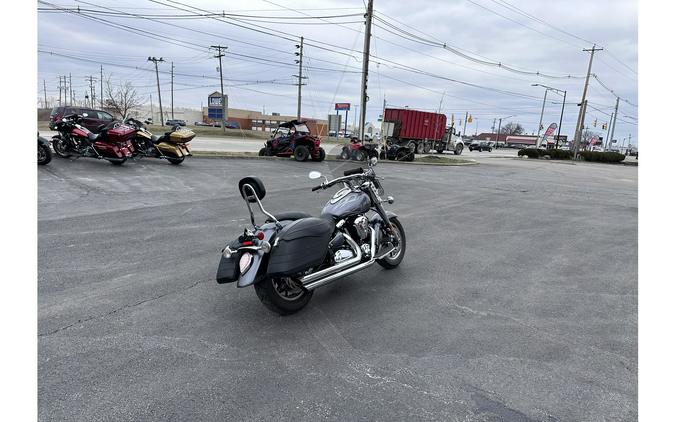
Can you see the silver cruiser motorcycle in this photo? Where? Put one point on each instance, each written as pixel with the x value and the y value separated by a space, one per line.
pixel 293 253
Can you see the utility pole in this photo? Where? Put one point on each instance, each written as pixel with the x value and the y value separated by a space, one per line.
pixel 364 75
pixel 494 122
pixel 159 92
pixel 70 84
pixel 608 141
pixel 384 107
pixel 616 112
pixel 152 112
pixel 60 91
pixel 466 117
pixel 91 81
pixel 561 118
pixel 499 129
pixel 301 47
pixel 44 89
pixel 171 90
pixel 223 106
pixel 582 111
pixel 101 87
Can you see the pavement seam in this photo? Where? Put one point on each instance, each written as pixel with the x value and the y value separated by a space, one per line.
pixel 114 311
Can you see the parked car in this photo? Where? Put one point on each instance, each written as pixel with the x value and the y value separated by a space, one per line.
pixel 148 121
pixel 176 122
pixel 479 146
pixel 203 124
pixel 92 119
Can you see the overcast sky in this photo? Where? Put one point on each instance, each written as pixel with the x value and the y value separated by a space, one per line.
pixel 528 35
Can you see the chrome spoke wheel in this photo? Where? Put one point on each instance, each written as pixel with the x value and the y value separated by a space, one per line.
pixel 286 288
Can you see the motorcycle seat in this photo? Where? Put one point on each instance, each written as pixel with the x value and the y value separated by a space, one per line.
pixel 289 215
pixel 156 139
pixel 93 136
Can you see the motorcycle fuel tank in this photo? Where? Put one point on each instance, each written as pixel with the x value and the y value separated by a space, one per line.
pixel 346 203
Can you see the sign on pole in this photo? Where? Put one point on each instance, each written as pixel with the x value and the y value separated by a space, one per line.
pixel 342 106
pixel 551 129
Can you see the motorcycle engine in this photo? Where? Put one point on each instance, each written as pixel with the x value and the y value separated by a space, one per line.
pixel 361 225
pixel 343 255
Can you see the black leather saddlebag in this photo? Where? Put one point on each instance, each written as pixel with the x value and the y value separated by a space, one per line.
pixel 302 244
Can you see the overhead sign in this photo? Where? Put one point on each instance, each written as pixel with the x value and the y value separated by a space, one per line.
pixel 342 106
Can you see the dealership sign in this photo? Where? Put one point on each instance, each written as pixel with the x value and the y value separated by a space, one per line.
pixel 342 106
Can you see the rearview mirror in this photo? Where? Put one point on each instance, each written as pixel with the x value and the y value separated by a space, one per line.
pixel 373 161
pixel 314 174
pixel 85 115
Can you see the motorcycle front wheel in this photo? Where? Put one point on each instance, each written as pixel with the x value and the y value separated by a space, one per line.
pixel 395 257
pixel 44 154
pixel 281 295
pixel 60 147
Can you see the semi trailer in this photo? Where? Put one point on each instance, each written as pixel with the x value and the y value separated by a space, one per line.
pixel 421 131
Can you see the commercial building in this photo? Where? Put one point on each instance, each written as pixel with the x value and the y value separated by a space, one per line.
pixel 256 120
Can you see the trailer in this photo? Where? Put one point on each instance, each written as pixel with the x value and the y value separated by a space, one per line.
pixel 421 131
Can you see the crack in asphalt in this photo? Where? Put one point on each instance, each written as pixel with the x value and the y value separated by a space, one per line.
pixel 121 308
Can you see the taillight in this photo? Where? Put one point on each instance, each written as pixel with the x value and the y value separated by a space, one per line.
pixel 260 235
pixel 245 262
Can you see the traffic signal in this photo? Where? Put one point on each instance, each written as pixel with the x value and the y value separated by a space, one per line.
pixel 604 126
pixel 595 123
pixel 452 119
pixel 470 119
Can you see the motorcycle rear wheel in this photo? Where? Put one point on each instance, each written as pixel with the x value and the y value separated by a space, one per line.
pixel 280 296
pixel 176 161
pixel 44 154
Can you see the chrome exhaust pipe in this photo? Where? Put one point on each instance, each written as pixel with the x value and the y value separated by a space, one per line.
pixel 337 267
pixel 350 270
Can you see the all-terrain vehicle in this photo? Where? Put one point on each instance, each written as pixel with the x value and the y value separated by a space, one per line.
pixel 354 150
pixel 294 139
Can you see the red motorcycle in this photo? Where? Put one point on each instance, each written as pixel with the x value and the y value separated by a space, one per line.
pixel 112 143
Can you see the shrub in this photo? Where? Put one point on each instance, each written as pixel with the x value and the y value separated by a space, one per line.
pixel 530 152
pixel 602 157
pixel 558 154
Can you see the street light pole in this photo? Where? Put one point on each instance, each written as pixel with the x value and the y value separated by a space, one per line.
pixel 541 117
pixel 499 129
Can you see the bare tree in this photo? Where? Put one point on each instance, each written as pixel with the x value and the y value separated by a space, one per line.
pixel 122 98
pixel 587 135
pixel 512 129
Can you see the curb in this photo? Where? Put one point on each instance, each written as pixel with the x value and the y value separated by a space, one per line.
pixel 253 156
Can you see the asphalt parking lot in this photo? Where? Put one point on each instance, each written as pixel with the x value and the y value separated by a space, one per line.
pixel 516 300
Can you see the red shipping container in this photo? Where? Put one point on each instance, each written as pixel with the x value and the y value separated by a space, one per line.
pixel 416 125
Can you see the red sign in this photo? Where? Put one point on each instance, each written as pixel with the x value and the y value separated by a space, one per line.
pixel 342 106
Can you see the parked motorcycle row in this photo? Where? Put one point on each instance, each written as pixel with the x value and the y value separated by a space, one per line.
pixel 291 254
pixel 115 142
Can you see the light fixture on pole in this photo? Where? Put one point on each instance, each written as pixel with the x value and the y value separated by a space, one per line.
pixel 562 111
pixel 499 129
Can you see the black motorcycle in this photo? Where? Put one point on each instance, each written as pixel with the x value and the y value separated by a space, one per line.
pixel 293 253
pixel 44 150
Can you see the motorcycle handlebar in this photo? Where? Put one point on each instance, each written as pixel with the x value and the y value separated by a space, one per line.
pixel 353 171
pixel 315 188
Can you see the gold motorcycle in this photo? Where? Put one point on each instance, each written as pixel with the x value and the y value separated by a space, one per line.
pixel 171 146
